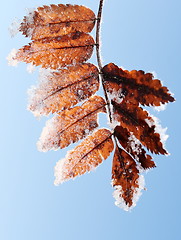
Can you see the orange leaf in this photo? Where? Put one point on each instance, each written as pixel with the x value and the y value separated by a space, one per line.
pixel 56 20
pixel 63 89
pixel 71 125
pixel 85 157
pixel 57 52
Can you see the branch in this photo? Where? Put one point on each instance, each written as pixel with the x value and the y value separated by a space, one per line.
pixel 98 27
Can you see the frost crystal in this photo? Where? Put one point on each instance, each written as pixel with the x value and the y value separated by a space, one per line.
pixel 30 20
pixel 116 96
pixel 158 128
pixel 119 200
pixel 11 58
pixel 162 107
pixel 50 131
pixel 14 27
pixel 30 68
pixel 136 195
pixel 137 192
pixel 134 143
pixel 59 172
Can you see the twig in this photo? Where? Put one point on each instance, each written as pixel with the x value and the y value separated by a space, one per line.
pixel 98 27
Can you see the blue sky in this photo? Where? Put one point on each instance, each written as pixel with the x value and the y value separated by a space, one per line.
pixel 136 35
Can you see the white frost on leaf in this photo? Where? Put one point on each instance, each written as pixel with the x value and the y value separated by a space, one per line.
pixel 44 73
pixel 35 97
pixel 134 143
pixel 138 191
pixel 14 27
pixel 154 74
pixel 30 68
pixel 136 195
pixel 49 136
pixel 113 124
pixel 117 96
pixel 11 58
pixel 59 172
pixel 30 20
pixel 158 128
pixel 119 200
pixel 162 107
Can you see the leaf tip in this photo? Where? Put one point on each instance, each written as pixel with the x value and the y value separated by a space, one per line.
pixel 59 172
pixel 119 194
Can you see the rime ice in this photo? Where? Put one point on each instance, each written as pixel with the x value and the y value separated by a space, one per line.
pixel 14 27
pixel 12 61
pixel 120 202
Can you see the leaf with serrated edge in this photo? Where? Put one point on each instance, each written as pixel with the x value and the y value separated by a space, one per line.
pixel 71 125
pixel 125 180
pixel 85 157
pixel 63 89
pixel 56 20
pixel 138 85
pixel 57 52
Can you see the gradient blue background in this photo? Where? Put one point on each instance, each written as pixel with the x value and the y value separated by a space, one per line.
pixel 137 35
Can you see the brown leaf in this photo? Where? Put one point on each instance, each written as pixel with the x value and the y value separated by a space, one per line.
pixel 133 147
pixel 63 89
pixel 56 20
pixel 71 125
pixel 125 179
pixel 139 86
pixel 137 120
pixel 85 157
pixel 57 52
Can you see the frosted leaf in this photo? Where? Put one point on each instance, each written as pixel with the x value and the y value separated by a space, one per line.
pixel 62 89
pixel 11 58
pixel 71 125
pixel 86 156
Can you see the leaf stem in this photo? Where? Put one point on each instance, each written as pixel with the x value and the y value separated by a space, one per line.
pixel 98 27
